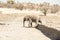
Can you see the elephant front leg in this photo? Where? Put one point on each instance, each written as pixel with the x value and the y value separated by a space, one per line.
pixel 26 24
pixel 30 24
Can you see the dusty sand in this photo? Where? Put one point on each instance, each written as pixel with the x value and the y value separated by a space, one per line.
pixel 14 30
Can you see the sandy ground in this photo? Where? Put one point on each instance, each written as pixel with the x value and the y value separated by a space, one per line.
pixel 16 31
pixel 13 29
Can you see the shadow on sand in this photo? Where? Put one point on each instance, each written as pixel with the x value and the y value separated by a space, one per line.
pixel 51 33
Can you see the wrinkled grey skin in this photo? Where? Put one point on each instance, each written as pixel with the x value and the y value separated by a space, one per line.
pixel 31 19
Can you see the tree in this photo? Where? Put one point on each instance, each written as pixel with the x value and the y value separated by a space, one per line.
pixel 10 1
pixel 44 7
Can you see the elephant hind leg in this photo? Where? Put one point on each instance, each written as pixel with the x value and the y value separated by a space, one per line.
pixel 30 23
pixel 26 24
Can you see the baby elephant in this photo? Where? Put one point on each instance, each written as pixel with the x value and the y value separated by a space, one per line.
pixel 31 19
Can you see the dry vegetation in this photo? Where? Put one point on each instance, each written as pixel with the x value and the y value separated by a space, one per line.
pixel 44 7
